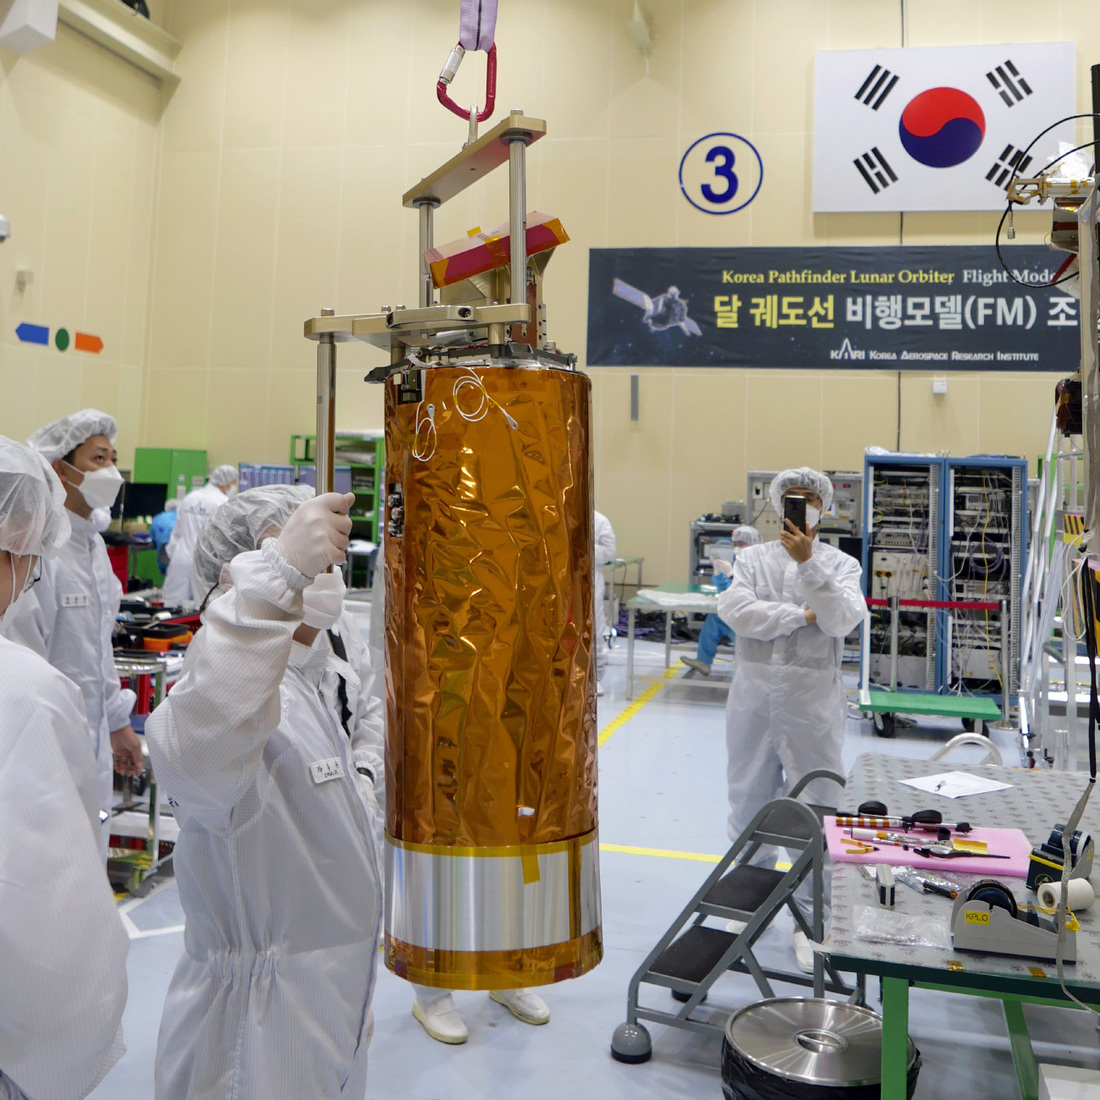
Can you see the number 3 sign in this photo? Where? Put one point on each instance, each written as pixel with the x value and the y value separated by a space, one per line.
pixel 721 173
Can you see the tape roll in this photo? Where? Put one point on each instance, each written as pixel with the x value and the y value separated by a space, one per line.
pixel 1081 894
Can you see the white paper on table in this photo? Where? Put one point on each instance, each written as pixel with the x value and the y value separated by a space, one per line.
pixel 955 784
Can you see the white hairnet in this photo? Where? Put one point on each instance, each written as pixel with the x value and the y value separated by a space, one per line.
pixel 801 478
pixel 240 525
pixel 56 440
pixel 748 535
pixel 171 504
pixel 32 503
pixel 224 476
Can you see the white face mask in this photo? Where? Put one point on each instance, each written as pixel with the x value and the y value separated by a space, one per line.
pixel 28 582
pixel 813 516
pixel 323 601
pixel 99 488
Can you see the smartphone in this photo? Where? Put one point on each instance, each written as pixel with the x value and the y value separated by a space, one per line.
pixel 794 509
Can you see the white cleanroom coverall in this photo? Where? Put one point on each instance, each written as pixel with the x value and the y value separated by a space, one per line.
pixel 194 510
pixel 68 618
pixel 786 709
pixel 278 854
pixel 62 944
pixel 604 540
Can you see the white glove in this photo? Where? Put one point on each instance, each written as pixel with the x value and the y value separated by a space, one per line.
pixel 316 535
pixel 723 566
pixel 323 601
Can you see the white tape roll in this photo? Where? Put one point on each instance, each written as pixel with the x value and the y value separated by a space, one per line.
pixel 1081 894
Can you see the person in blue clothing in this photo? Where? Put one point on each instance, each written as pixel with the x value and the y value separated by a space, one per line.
pixel 714 630
pixel 160 530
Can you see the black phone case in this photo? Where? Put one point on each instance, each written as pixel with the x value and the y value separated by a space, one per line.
pixel 794 509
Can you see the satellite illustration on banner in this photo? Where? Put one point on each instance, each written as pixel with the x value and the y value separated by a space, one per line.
pixel 663 312
pixel 936 128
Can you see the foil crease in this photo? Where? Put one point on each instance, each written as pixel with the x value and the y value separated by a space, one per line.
pixel 490 676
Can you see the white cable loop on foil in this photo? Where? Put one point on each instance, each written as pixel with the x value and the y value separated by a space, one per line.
pixel 470 378
pixel 425 452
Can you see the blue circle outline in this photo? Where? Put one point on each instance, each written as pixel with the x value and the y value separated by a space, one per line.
pixel 707 137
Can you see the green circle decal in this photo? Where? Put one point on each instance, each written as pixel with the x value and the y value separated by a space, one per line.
pixel 62 339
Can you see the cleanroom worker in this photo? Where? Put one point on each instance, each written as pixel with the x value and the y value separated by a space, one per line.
pixel 193 511
pixel 791 604
pixel 604 540
pixel 70 616
pixel 714 630
pixel 269 748
pixel 161 527
pixel 62 944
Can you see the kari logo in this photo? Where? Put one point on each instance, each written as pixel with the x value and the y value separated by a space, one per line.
pixel 942 127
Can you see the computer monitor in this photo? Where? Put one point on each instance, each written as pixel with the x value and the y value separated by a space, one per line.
pixel 142 499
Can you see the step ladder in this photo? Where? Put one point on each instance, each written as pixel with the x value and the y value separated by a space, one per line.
pixel 691 956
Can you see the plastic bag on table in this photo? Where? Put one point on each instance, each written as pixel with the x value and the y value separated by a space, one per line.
pixel 873 924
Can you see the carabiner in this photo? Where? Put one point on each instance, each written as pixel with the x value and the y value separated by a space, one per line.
pixel 448 74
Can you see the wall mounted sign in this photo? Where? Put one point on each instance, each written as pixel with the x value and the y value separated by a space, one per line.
pixel 889 308
pixel 721 173
pixel 40 334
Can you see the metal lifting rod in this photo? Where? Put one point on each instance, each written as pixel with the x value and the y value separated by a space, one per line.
pixel 325 443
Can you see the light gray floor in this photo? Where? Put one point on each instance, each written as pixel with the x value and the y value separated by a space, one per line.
pixel 662 786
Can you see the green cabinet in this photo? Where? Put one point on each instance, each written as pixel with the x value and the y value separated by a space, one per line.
pixel 364 453
pixel 174 468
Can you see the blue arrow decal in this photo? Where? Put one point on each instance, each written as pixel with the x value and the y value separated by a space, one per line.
pixel 33 334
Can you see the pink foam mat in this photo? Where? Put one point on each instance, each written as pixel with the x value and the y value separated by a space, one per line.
pixel 1010 842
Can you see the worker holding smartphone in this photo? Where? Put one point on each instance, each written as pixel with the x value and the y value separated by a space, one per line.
pixel 791 603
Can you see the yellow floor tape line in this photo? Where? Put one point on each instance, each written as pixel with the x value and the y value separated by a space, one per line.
pixel 645 697
pixel 664 853
pixel 670 853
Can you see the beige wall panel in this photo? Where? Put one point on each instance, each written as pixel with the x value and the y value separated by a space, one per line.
pixel 175 409
pixel 236 421
pixel 718 81
pixel 1016 412
pixel 858 409
pixel 109 245
pixel 945 423
pixel 183 273
pixel 1016 21
pixel 634 464
pixel 576 92
pixel 380 43
pixel 244 270
pixel 99 385
pixel 778 214
pixel 377 250
pixel 291 409
pixel 943 23
pixel 317 74
pixel 308 247
pixel 835 230
pixel 256 84
pixel 787 33
pixel 783 424
pixel 139 263
pixel 128 413
pixel 195 108
pixel 642 207
pixel 53 383
pixel 863 25
pixel 359 404
pixel 68 222
pixel 647 104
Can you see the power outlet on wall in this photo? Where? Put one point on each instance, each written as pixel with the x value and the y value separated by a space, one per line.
pixel 939 385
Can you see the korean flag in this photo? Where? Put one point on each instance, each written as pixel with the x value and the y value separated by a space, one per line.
pixel 938 128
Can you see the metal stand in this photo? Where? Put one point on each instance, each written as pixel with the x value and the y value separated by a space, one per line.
pixel 691 956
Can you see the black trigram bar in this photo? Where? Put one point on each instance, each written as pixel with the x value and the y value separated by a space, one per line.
pixel 875 168
pixel 1010 86
pixel 878 85
pixel 1011 161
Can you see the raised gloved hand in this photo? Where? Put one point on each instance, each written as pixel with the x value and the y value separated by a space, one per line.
pixel 721 580
pixel 316 535
pixel 323 601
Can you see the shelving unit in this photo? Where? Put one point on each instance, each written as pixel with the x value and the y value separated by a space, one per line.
pixel 362 452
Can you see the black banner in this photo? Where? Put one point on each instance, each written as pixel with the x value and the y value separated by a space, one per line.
pixel 883 308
